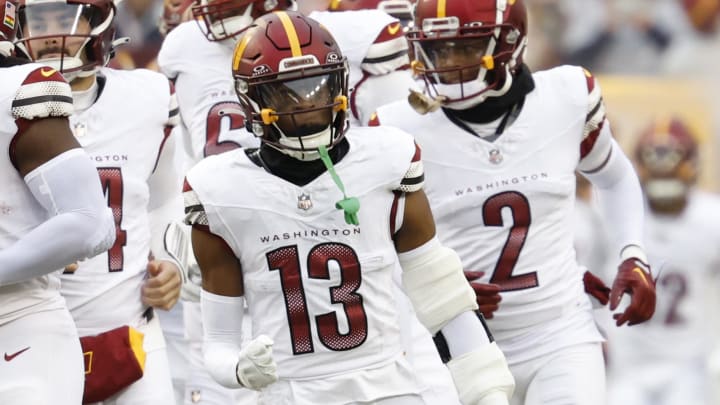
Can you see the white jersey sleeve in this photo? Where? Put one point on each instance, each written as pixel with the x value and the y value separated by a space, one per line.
pixel 44 93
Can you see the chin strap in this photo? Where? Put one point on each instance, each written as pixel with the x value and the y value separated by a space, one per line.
pixel 350 205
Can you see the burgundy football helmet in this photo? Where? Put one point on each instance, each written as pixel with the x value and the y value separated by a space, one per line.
pixel 223 19
pixel 667 159
pixel 468 50
pixel 291 79
pixel 73 36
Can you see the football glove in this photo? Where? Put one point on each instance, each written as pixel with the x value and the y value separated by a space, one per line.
pixel 634 278
pixel 487 295
pixel 256 368
pixel 596 288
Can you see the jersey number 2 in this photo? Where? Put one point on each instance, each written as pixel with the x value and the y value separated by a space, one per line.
pixel 286 260
pixel 492 216
pixel 112 184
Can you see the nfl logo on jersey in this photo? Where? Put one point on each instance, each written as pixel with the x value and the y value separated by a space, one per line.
pixel 304 202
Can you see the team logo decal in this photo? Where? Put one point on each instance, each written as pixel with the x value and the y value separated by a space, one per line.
pixel 260 70
pixel 304 202
pixel 495 157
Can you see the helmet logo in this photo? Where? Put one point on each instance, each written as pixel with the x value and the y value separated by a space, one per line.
pixel 332 57
pixel 304 202
pixel 260 70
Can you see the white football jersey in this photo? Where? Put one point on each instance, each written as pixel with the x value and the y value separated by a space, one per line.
pixel 319 287
pixel 27 91
pixel 684 255
pixel 123 132
pixel 376 49
pixel 506 207
pixel 205 89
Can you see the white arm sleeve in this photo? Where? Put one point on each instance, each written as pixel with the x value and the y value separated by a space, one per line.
pixel 81 225
pixel 620 198
pixel 222 325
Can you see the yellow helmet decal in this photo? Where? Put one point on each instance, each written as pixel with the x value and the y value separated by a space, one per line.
pixel 441 8
pixel 291 33
pixel 240 50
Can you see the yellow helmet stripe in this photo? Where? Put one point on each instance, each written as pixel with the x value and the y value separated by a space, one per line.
pixel 441 9
pixel 291 33
pixel 240 50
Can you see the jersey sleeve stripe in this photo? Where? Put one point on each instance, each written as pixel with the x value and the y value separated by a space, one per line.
pixel 418 154
pixel 594 110
pixel 17 103
pixel 597 169
pixel 42 98
pixel 590 81
pixel 194 211
pixel 588 142
pixel 385 58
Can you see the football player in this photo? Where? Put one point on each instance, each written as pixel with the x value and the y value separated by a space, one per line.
pixel 374 44
pixel 310 235
pixel 195 56
pixel 648 366
pixel 501 148
pixel 53 212
pixel 377 53
pixel 122 119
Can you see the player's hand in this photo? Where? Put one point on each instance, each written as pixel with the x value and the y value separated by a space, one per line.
pixel 633 278
pixel 596 288
pixel 162 287
pixel 487 295
pixel 256 368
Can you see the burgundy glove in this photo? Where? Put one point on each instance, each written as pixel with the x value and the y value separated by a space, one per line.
pixel 487 295
pixel 596 288
pixel 633 278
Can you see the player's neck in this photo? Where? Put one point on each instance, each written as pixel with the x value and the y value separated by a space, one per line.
pixel 293 170
pixel 85 98
pixel 495 107
pixel 83 83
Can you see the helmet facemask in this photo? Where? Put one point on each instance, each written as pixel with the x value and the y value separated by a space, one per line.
pixel 298 111
pixel 66 36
